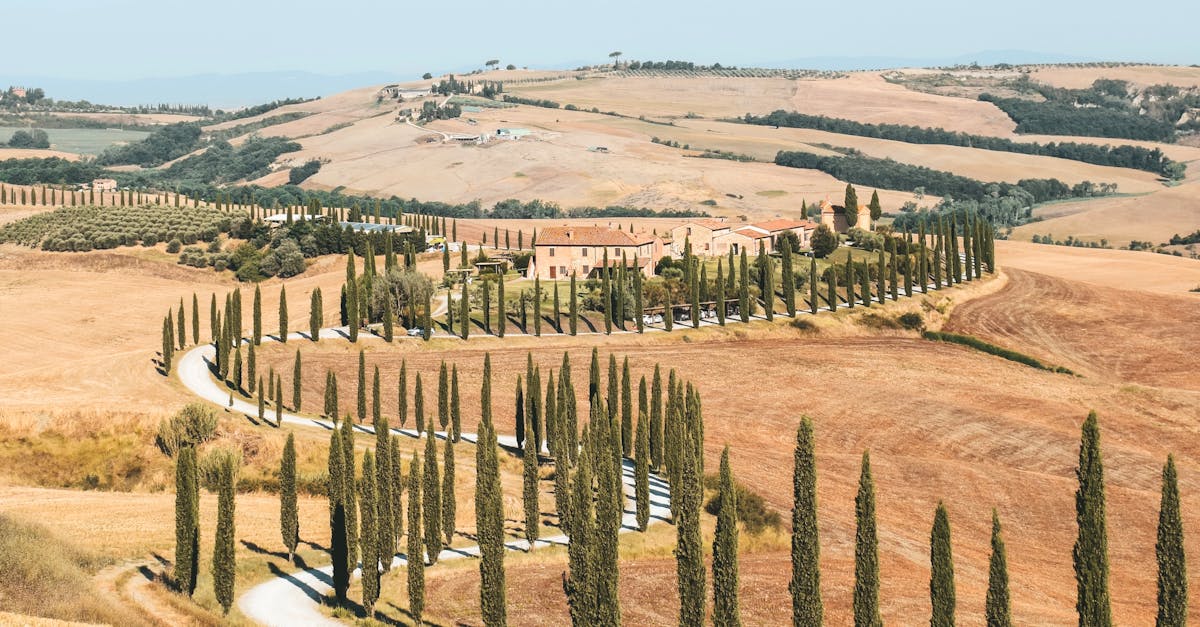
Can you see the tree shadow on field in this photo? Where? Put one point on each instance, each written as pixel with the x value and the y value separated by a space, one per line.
pixel 308 590
pixel 405 613
pixel 254 548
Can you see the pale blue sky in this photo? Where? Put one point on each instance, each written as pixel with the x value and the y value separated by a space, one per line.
pixel 126 39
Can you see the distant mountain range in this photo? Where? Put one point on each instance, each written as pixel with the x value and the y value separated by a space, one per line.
pixel 231 91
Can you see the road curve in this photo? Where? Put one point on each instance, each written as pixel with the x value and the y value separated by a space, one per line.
pixel 295 598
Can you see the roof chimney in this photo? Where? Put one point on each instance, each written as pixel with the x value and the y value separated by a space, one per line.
pixel 570 234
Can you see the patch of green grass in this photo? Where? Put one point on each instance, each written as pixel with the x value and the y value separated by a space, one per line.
pixel 992 349
pixel 771 193
pixel 518 175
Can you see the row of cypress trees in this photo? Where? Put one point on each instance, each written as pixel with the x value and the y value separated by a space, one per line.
pixel 1090 553
pixel 187 524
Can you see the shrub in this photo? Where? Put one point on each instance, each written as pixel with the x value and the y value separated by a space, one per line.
pixel 193 425
pixel 992 349
pixel 803 324
pixel 174 245
pixel 752 510
pixel 912 321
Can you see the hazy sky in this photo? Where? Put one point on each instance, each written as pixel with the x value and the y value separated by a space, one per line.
pixel 124 39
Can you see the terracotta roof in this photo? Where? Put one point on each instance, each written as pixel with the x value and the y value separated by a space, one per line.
pixel 712 225
pixel 781 224
pixel 753 232
pixel 590 236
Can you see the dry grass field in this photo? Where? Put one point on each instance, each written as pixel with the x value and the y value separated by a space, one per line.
pixel 1139 75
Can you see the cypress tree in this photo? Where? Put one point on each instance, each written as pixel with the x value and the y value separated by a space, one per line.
pixel 608 519
pixel 402 394
pixel 722 304
pixel 237 369
pixel 348 492
pixel 376 409
pixel 550 417
pixel 529 493
pixel 967 247
pixel 805 585
pixel 331 404
pixel 908 265
pixel 353 317
pixel 443 397
pixel 397 492
pixel 489 511
pixel 386 485
pixel 446 258
pixel 626 411
pixel 257 315
pixel 251 368
pixel 187 520
pixel 415 552
pixel 579 586
pixel 881 278
pixel 519 419
pixel 455 407
pixel 812 285
pixel 866 552
pixel 639 301
pixel 361 396
pixel 501 307
pixel 694 289
pixel 289 520
pixel 262 402
pixel 606 294
pixel 283 314
pixel 689 555
pixel 485 292
pixel 1091 547
pixel 180 327
pixel 744 293
pixel 893 279
pixel 1172 567
pixel 224 565
pixel 726 610
pixel 941 577
pixel 851 297
pixel 368 504
pixel 432 500
pixel 449 504
pixel 768 286
pixel 642 469
pixel 296 379
pixel 656 421
pixel 831 282
pixel 566 403
pixel 388 320
pixel 952 256
pixel 537 306
pixel 574 308
pixel 851 206
pixel 936 262
pixel 997 605
pixel 863 271
pixel 464 313
pixel 168 344
pixel 788 278
pixel 195 319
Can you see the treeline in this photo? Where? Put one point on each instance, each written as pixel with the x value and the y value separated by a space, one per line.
pixel 1136 157
pixel 533 102
pixel 249 112
pixel 888 174
pixel 52 170
pixel 1060 118
pixel 430 111
pixel 220 163
pixel 301 173
pixel 164 144
pixel 673 65
pixel 36 138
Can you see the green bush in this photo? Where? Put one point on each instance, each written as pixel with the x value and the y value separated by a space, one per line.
pixel 193 425
pixel 912 321
pixel 752 511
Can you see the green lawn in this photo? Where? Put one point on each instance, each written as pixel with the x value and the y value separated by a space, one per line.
pixel 87 141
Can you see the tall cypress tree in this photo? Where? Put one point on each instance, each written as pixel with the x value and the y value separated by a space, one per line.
pixel 224 565
pixel 812 286
pixel 788 277
pixel 501 307
pixel 851 298
pixel 187 520
pixel 180 327
pixel 402 393
pixel 195 319
pixel 626 411
pixel 941 576
pixel 805 585
pixel 893 267
pixel 574 307
pixel 689 555
pixel 1091 547
pixel 998 609
pixel 464 313
pixel 529 483
pixel 642 469
pixel 722 304
pixel 415 552
pixel 168 344
pixel 581 551
pixel 349 490
pixel 376 408
pixel 361 397
pixel 1172 567
pixel 443 396
pixel 419 406
pixel 726 609
pixel 297 377
pixel 519 417
pixel 449 500
pixel 639 301
pixel 387 484
pixel 283 314
pixel 289 517
pixel 831 282
pixel 316 315
pixel 489 511
pixel 431 507
pixel 455 407
pixel 257 315
pixel 351 290
pixel 744 290
pixel 656 421
pixel 866 552
pixel 368 504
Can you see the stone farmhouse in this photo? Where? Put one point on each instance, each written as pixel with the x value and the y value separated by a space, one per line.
pixel 834 217
pixel 561 251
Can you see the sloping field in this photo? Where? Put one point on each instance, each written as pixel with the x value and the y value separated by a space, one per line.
pixel 1155 217
pixel 1120 269
pixel 1139 75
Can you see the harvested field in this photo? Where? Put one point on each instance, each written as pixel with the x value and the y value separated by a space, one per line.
pixel 1120 269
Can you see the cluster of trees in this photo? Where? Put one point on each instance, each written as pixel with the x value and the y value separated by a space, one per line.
pixel 36 138
pixel 1136 157
pixel 301 173
pixel 1070 241
pixel 1192 238
pixel 674 65
pixel 164 144
pixel 82 228
pixel 450 86
pixel 53 170
pixel 533 102
pixel 1057 117
pixel 888 174
pixel 431 111
pixel 221 163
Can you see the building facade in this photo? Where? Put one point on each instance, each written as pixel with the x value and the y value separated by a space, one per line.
pixel 565 250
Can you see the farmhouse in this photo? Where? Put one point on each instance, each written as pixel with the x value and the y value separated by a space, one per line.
pixel 104 185
pixel 802 228
pixel 698 233
pixel 834 217
pixel 745 238
pixel 563 250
